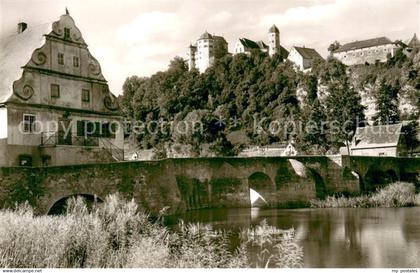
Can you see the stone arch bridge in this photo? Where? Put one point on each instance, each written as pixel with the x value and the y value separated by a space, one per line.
pixel 193 183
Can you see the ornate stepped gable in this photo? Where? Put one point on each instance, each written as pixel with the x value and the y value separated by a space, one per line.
pixel 29 51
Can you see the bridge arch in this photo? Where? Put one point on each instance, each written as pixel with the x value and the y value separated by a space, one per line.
pixel 320 187
pixel 260 181
pixel 262 184
pixel 59 206
pixel 376 178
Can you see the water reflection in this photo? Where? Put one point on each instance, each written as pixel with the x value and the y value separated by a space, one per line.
pixel 377 237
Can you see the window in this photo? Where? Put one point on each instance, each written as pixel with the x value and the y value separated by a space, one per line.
pixel 75 61
pixel 60 58
pixel 66 33
pixel 28 123
pixel 55 90
pixel 85 95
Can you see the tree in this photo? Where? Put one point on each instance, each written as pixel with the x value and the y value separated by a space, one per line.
pixel 410 136
pixel 314 136
pixel 344 111
pixel 219 48
pixel 387 104
pixel 333 47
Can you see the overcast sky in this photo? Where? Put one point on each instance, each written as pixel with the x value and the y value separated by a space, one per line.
pixel 139 37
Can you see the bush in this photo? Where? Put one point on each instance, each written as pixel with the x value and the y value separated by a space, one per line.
pixel 116 234
pixel 399 194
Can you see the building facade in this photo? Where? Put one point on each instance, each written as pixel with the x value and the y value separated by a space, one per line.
pixel 273 150
pixel 246 46
pixel 55 104
pixel 202 54
pixel 366 51
pixel 303 57
pixel 381 140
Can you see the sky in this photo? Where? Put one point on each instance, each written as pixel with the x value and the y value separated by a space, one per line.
pixel 140 37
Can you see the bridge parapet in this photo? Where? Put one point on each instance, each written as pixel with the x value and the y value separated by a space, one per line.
pixel 194 183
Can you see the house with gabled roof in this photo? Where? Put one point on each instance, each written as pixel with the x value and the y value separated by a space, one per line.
pixel 303 57
pixel 246 46
pixel 380 140
pixel 366 51
pixel 55 104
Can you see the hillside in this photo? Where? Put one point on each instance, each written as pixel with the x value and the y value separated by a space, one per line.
pixel 256 100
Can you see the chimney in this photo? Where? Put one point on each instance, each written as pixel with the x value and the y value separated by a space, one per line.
pixel 22 26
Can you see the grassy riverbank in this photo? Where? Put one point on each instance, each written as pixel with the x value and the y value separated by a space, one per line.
pixel 399 194
pixel 115 234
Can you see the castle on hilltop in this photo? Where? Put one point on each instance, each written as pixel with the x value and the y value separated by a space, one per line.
pixel 209 47
pixel 244 45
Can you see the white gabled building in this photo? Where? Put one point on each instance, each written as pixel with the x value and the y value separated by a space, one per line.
pixel 303 57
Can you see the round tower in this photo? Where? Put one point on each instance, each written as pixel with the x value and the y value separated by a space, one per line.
pixel 273 40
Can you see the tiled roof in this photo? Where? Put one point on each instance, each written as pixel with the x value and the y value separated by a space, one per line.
pixel 283 52
pixel 262 45
pixel 249 44
pixel 377 136
pixel 205 35
pixel 15 52
pixel 273 28
pixel 365 43
pixel 308 53
pixel 220 38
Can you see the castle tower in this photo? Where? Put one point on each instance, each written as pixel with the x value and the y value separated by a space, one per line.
pixel 192 50
pixel 204 51
pixel 273 40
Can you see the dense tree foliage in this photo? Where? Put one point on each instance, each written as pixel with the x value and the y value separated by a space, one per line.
pixel 334 46
pixel 387 104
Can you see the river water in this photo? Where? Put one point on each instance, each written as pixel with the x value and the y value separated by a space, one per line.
pixel 340 237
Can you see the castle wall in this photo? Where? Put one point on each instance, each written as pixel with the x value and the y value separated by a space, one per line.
pixel 369 54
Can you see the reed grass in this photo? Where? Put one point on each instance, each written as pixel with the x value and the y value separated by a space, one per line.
pixel 275 247
pixel 115 235
pixel 399 194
